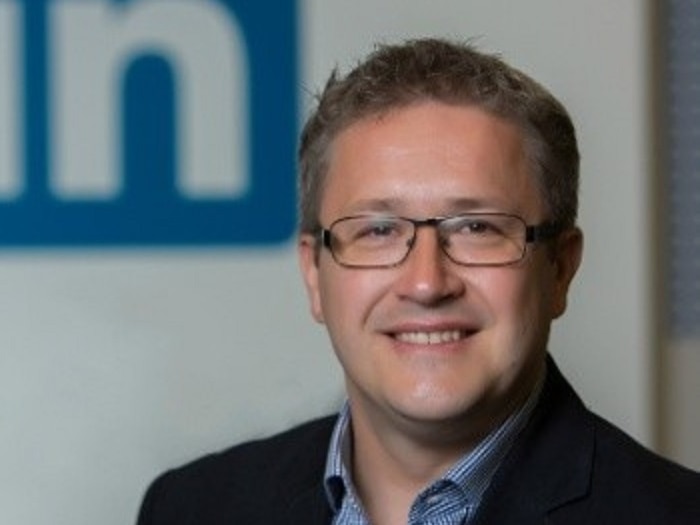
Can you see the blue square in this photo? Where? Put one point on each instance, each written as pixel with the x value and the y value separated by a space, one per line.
pixel 125 100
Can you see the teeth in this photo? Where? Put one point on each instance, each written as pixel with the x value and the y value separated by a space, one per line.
pixel 429 338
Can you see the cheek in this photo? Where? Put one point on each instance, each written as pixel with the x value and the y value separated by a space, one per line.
pixel 348 296
pixel 348 301
pixel 517 304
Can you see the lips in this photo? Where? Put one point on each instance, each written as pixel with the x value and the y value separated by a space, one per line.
pixel 430 338
pixel 425 330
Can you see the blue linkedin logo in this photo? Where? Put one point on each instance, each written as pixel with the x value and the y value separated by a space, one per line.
pixel 147 122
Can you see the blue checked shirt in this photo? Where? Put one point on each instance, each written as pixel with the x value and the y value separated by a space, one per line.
pixel 453 499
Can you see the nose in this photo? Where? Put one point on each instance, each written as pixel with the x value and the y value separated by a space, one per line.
pixel 427 275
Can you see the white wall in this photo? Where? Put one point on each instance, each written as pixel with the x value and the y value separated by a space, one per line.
pixel 118 365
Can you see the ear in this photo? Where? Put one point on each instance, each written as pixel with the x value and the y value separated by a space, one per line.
pixel 567 259
pixel 308 262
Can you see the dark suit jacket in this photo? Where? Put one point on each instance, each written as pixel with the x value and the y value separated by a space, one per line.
pixel 569 467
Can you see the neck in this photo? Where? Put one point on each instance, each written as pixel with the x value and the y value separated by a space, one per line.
pixel 391 465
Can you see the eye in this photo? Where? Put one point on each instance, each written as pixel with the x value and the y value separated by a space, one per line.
pixel 376 229
pixel 480 230
pixel 474 227
pixel 477 227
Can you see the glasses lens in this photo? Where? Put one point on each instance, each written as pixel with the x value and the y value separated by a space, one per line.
pixel 371 240
pixel 486 239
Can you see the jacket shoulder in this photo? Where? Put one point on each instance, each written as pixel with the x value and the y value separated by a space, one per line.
pixel 262 454
pixel 626 471
pixel 248 482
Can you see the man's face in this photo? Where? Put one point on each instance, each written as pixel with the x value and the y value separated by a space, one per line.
pixel 429 341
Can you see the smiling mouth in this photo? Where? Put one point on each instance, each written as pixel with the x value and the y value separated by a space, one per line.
pixel 430 338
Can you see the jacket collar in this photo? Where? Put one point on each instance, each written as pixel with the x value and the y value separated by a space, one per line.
pixel 551 464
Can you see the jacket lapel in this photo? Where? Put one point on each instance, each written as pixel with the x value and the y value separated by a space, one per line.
pixel 300 478
pixel 550 466
pixel 310 508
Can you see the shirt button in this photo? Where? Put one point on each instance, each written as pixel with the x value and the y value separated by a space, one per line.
pixel 434 500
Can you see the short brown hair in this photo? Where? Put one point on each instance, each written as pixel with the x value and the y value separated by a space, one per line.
pixel 395 76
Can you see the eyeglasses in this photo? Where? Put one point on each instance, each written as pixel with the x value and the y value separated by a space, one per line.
pixel 469 239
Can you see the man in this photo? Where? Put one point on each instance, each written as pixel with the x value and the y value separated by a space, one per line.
pixel 438 241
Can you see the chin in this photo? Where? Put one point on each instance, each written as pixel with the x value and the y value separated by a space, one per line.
pixel 438 408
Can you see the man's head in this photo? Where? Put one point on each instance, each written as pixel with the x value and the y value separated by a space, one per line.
pixel 438 321
pixel 395 76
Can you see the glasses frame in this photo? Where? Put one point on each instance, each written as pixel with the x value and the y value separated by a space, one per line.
pixel 534 233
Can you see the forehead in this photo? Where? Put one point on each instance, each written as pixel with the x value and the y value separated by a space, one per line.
pixel 429 158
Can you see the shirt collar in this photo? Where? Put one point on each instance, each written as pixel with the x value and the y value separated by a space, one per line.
pixel 472 473
pixel 337 479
